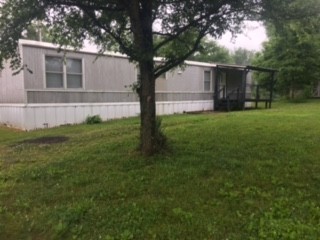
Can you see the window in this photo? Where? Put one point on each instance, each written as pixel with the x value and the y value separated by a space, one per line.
pixel 54 72
pixel 74 73
pixel 60 74
pixel 207 80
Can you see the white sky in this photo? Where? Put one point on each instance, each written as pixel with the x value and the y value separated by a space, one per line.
pixel 253 36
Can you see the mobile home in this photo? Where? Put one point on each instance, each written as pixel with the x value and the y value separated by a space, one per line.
pixel 58 88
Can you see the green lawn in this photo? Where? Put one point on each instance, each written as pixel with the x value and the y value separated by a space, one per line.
pixel 238 175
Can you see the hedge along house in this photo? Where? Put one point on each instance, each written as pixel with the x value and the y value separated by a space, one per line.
pixel 64 88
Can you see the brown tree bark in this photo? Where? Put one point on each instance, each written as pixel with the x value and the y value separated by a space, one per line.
pixel 148 109
pixel 141 22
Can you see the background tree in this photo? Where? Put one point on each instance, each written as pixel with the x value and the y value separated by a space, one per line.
pixel 211 51
pixel 38 32
pixel 294 49
pixel 242 56
pixel 132 24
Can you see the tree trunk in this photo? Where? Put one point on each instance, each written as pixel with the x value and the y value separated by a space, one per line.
pixel 148 109
pixel 141 24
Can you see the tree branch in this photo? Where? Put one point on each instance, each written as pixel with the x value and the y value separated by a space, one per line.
pixel 169 64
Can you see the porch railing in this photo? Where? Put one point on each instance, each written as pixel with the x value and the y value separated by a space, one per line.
pixel 237 97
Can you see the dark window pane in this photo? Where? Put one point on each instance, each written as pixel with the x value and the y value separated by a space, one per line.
pixel 207 80
pixel 54 64
pixel 74 81
pixel 74 66
pixel 54 80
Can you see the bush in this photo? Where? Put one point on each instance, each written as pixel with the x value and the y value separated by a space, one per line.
pixel 161 139
pixel 93 119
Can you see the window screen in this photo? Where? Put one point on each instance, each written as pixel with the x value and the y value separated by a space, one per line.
pixel 54 72
pixel 74 73
pixel 207 80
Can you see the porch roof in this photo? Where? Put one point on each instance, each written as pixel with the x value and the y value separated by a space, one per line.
pixel 248 68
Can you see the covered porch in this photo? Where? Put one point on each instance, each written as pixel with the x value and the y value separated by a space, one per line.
pixel 235 90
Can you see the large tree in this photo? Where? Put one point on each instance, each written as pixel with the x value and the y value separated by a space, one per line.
pixel 133 25
pixel 294 49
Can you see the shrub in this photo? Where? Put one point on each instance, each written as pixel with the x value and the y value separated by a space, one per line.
pixel 161 139
pixel 93 119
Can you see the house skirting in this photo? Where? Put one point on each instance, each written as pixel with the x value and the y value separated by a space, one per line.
pixel 35 116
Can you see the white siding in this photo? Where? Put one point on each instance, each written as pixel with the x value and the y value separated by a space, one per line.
pixel 105 73
pixel 34 116
pixel 11 86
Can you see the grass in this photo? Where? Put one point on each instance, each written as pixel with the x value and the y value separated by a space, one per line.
pixel 238 175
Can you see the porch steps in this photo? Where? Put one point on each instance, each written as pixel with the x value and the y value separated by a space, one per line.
pixel 229 105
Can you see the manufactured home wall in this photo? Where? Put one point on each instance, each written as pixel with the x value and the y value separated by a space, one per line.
pixel 34 116
pixel 43 96
pixel 188 79
pixel 100 74
pixel 11 87
pixel 104 78
pixel 107 79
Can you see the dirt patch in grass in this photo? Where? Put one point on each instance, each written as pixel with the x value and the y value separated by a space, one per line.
pixel 47 140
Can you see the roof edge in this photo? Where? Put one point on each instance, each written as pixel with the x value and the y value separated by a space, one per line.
pixel 32 43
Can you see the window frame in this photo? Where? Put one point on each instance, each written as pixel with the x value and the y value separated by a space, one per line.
pixel 64 72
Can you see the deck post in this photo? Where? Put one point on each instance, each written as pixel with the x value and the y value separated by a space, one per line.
pixel 257 95
pixel 244 88
pixel 228 103
pixel 216 88
pixel 271 88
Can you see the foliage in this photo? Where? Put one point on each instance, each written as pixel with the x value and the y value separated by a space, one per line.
pixel 93 119
pixel 38 32
pixel 242 56
pixel 210 51
pixel 240 175
pixel 293 49
pixel 161 138
pixel 179 24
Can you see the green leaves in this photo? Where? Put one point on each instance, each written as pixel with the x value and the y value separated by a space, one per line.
pixel 179 24
pixel 15 17
pixel 293 49
pixel 210 51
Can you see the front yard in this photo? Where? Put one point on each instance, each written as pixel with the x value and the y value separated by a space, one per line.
pixel 238 175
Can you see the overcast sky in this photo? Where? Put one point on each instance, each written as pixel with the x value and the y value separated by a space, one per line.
pixel 253 36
